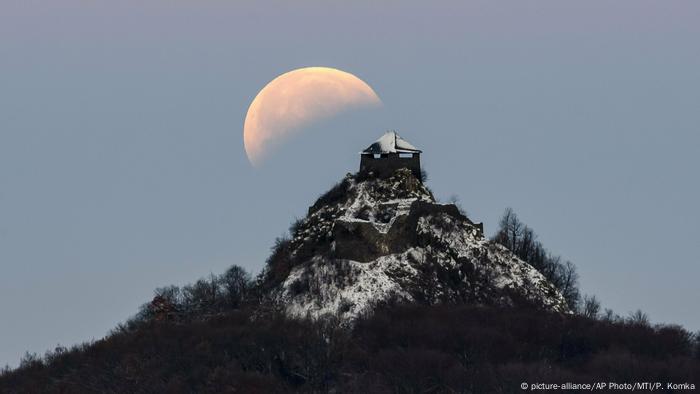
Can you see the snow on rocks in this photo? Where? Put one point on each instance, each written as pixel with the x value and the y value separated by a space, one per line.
pixel 369 240
pixel 342 288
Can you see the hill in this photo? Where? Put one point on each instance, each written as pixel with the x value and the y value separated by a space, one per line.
pixel 379 288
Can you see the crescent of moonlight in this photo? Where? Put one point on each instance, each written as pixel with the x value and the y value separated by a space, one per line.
pixel 298 98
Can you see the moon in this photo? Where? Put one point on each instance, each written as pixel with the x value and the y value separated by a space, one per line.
pixel 296 99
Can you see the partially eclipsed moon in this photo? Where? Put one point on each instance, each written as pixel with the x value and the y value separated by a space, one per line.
pixel 298 98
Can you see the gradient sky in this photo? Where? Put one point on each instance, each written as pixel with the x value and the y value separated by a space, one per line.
pixel 122 166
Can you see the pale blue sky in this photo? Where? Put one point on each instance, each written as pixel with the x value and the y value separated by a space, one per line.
pixel 122 165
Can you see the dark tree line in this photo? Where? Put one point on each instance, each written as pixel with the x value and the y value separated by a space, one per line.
pixel 202 299
pixel 213 336
pixel 522 240
pixel 398 349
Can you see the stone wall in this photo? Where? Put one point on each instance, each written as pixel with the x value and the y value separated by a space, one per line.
pixel 361 241
pixel 388 163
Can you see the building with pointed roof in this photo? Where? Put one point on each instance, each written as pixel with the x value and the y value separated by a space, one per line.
pixel 389 153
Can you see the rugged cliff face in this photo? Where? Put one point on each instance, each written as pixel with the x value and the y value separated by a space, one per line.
pixel 369 240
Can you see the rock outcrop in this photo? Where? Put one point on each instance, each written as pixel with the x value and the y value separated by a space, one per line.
pixel 369 240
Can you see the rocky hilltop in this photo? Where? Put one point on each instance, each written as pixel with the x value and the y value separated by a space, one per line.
pixel 369 240
pixel 475 318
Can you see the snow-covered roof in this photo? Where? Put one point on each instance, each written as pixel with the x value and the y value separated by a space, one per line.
pixel 391 142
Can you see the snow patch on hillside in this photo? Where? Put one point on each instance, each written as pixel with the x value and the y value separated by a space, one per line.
pixel 344 288
pixel 446 257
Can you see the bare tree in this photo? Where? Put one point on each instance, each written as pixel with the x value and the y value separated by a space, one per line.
pixel 171 294
pixel 510 230
pixel 610 316
pixel 638 318
pixel 235 282
pixel 590 307
pixel 522 241
pixel 201 296
pixel 569 284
